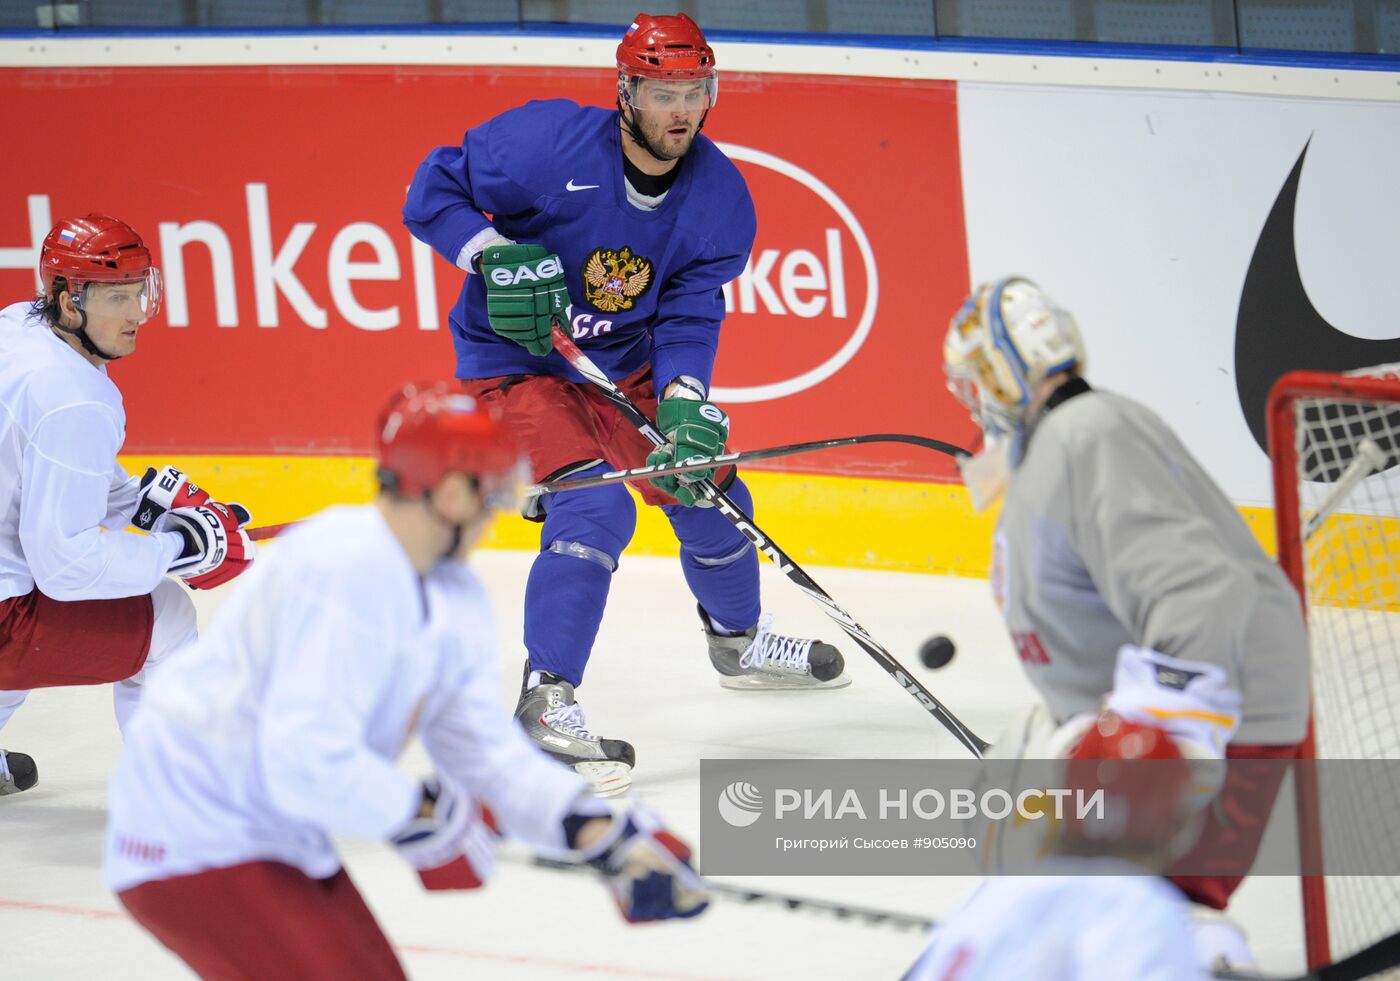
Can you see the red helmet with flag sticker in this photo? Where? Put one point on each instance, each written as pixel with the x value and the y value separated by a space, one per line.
pixel 669 48
pixel 430 430
pixel 98 248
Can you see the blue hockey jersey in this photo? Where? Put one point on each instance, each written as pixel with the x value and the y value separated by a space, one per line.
pixel 643 284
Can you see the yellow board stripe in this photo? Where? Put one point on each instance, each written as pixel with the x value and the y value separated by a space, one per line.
pixel 819 520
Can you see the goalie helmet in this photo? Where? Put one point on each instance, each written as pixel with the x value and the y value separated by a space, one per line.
pixel 1002 343
pixel 430 430
pixel 98 248
pixel 1145 782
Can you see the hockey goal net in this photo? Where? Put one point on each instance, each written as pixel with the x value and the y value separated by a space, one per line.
pixel 1335 443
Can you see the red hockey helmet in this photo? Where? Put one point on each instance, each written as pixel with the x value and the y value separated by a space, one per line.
pixel 430 430
pixel 1144 779
pixel 98 248
pixel 670 46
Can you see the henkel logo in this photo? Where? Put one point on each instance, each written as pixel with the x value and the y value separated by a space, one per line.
pixel 806 300
pixel 798 313
pixel 360 252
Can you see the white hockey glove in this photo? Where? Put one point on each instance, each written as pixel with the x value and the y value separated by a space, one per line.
pixel 647 868
pixel 161 491
pixel 453 845
pixel 216 547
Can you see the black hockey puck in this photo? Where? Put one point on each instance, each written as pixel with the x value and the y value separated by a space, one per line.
pixel 937 652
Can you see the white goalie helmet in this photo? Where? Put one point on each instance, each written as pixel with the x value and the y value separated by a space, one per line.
pixel 1002 343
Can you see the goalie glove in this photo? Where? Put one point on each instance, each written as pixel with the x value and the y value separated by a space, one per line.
pixel 648 869
pixel 452 841
pixel 162 491
pixel 216 550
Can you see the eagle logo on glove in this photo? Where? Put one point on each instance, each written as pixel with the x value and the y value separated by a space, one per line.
pixel 613 280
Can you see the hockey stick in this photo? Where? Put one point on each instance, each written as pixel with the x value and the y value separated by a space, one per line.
pixel 801 904
pixel 268 531
pixel 1368 962
pixel 707 489
pixel 739 456
pixel 695 463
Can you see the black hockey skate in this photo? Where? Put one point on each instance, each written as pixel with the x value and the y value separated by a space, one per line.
pixel 17 772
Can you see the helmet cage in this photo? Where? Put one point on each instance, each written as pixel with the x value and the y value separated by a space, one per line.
pixel 1001 344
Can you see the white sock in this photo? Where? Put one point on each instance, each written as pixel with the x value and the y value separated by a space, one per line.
pixel 720 629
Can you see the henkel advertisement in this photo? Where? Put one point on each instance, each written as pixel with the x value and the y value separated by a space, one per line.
pixel 296 300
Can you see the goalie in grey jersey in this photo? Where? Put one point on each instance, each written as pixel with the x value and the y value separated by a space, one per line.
pixel 1128 581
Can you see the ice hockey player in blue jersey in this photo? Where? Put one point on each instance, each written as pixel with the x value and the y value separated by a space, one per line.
pixel 623 224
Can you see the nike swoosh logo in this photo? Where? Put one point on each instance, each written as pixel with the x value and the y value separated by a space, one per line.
pixel 571 186
pixel 1279 330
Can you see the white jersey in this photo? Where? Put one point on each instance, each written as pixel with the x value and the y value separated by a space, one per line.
pixel 1066 928
pixel 281 726
pixel 60 485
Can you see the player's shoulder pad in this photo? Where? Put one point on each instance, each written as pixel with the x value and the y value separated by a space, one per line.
pixel 457 582
pixel 531 142
pixel 66 384
pixel 1088 418
pixel 732 218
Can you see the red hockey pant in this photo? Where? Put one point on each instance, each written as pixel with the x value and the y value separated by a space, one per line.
pixel 265 920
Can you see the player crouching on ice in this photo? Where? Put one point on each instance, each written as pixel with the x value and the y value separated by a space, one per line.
pixel 280 728
pixel 1095 909
pixel 80 606
pixel 1125 576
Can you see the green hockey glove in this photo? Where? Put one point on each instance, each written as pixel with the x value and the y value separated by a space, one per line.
pixel 525 293
pixel 694 429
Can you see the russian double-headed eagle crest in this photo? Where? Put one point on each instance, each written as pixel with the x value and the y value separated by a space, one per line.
pixel 614 279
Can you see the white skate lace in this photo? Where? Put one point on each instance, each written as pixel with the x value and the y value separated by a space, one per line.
pixel 568 719
pixel 784 653
pixel 5 775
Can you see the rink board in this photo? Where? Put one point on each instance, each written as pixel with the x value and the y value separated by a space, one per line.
pixel 1166 203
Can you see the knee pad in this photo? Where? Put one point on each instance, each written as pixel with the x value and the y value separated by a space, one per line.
pixel 176 624
pixel 707 537
pixel 598 520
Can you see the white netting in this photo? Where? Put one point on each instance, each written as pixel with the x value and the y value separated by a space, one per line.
pixel 1349 498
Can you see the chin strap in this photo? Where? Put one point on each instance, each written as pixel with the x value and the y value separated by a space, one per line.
pixel 80 332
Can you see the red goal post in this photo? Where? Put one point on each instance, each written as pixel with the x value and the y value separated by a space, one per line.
pixel 1332 440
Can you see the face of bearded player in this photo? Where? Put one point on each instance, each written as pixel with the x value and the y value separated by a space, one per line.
pixel 669 113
